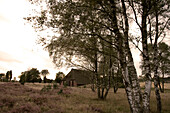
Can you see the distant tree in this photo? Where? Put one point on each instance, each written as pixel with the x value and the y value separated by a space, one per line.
pixel 44 73
pixel 10 75
pixel 35 77
pixel 22 78
pixel 1 75
pixel 31 75
pixel 59 77
pixel 45 79
pixel 7 75
pixel 164 61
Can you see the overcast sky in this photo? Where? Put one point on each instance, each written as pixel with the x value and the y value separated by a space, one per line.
pixel 18 48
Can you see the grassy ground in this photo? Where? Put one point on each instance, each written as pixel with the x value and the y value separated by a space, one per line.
pixel 34 98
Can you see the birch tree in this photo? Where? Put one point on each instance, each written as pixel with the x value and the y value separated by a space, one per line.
pixel 154 14
pixel 80 22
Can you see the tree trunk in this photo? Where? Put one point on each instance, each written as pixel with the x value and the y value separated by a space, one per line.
pixel 131 82
pixel 148 82
pixel 163 74
pixel 156 83
pixel 156 77
pixel 158 97
pixel 163 81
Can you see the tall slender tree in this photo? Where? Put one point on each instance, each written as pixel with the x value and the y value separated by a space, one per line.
pixel 82 24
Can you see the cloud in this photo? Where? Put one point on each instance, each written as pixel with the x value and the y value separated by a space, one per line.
pixel 5 57
pixel 4 19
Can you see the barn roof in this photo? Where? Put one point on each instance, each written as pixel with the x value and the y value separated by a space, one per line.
pixel 80 76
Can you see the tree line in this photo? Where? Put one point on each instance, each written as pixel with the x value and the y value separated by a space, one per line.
pixel 6 77
pixel 33 75
pixel 95 35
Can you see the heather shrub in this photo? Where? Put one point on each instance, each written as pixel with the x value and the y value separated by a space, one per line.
pixel 26 108
pixel 55 86
pixel 49 86
pixel 44 89
pixel 55 110
pixel 96 109
pixel 28 98
pixel 7 101
pixel 60 91
pixel 38 99
pixel 65 85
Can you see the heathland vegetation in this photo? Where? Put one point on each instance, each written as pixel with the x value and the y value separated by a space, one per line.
pixel 52 98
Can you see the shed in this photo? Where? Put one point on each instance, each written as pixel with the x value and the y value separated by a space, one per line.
pixel 77 77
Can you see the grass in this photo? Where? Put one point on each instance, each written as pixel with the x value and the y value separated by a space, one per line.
pixel 16 98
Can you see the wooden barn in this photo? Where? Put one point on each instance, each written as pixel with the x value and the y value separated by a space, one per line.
pixel 77 78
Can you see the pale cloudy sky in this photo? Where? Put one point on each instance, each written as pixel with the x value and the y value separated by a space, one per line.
pixel 18 48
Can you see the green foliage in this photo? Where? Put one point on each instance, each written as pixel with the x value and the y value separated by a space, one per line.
pixel 10 75
pixel 45 88
pixel 60 91
pixel 49 86
pixel 45 79
pixel 7 75
pixel 44 73
pixel 31 75
pixel 5 80
pixel 59 77
pixel 1 76
pixel 65 84
pixel 55 86
pixel 163 60
pixel 22 79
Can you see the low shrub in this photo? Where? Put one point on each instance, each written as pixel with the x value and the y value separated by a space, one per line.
pixel 7 101
pixel 26 108
pixel 55 86
pixel 38 99
pixel 60 91
pixel 49 87
pixel 46 88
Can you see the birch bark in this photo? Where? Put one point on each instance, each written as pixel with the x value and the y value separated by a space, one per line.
pixel 155 61
pixel 131 82
pixel 148 82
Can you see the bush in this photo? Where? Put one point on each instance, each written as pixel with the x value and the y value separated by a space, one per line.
pixel 55 86
pixel 46 88
pixel 5 80
pixel 65 85
pixel 121 85
pixel 49 86
pixel 61 91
